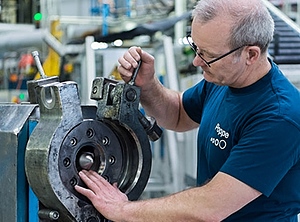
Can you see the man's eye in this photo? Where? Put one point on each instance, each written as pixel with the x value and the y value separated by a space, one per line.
pixel 202 54
pixel 206 55
pixel 210 56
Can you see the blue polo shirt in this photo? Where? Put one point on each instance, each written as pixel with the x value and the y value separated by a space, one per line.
pixel 252 134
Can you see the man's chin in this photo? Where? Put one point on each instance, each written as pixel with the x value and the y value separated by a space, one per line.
pixel 209 78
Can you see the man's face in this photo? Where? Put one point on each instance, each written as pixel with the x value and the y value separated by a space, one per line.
pixel 211 40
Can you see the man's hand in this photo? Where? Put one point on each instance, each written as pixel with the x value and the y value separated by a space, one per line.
pixel 129 61
pixel 106 198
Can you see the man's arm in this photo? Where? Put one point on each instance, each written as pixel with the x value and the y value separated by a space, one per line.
pixel 214 201
pixel 163 104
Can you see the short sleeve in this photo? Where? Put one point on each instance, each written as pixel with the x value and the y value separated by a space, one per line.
pixel 193 100
pixel 267 150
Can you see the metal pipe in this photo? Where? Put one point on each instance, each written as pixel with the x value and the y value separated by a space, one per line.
pixel 16 40
pixel 180 27
pixel 88 73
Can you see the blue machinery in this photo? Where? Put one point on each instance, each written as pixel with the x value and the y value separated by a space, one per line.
pixel 96 7
pixel 46 142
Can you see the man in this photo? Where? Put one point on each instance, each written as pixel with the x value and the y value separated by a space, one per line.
pixel 248 116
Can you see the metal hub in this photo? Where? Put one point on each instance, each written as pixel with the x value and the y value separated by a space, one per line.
pixel 93 145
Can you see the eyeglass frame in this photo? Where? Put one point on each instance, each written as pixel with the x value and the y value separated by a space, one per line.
pixel 194 48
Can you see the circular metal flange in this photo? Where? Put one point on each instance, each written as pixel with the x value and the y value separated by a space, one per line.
pixel 111 150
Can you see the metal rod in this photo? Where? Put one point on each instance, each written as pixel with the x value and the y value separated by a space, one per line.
pixel 39 66
pixel 48 214
pixel 135 72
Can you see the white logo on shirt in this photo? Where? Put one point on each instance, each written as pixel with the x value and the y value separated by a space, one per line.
pixel 221 142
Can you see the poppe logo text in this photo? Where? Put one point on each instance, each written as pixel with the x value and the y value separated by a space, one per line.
pixel 223 134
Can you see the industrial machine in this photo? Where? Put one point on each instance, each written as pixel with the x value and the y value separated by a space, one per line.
pixel 54 137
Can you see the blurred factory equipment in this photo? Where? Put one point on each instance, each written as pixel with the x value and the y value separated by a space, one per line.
pixel 82 45
pixel 65 137
pixel 62 33
pixel 291 8
pixel 285 47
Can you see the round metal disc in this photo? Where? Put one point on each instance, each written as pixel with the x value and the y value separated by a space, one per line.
pixel 115 152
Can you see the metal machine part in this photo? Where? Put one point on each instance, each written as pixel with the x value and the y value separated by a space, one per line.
pixel 14 132
pixel 113 142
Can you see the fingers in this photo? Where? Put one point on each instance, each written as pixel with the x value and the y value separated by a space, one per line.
pixel 89 179
pixel 133 55
pixel 89 193
pixel 94 182
pixel 86 192
pixel 130 58
pixel 105 197
pixel 125 73
pixel 95 178
pixel 128 62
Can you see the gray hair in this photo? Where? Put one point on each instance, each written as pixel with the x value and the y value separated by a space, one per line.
pixel 251 22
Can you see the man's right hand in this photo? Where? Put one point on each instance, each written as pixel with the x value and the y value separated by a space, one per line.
pixel 129 61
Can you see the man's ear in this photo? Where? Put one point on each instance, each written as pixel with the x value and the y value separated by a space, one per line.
pixel 253 54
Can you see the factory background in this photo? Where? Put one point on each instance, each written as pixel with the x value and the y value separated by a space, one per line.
pixel 79 40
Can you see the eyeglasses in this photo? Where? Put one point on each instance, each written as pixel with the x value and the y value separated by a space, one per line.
pixel 194 47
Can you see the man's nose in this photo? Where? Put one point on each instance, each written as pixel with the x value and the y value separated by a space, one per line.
pixel 198 62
